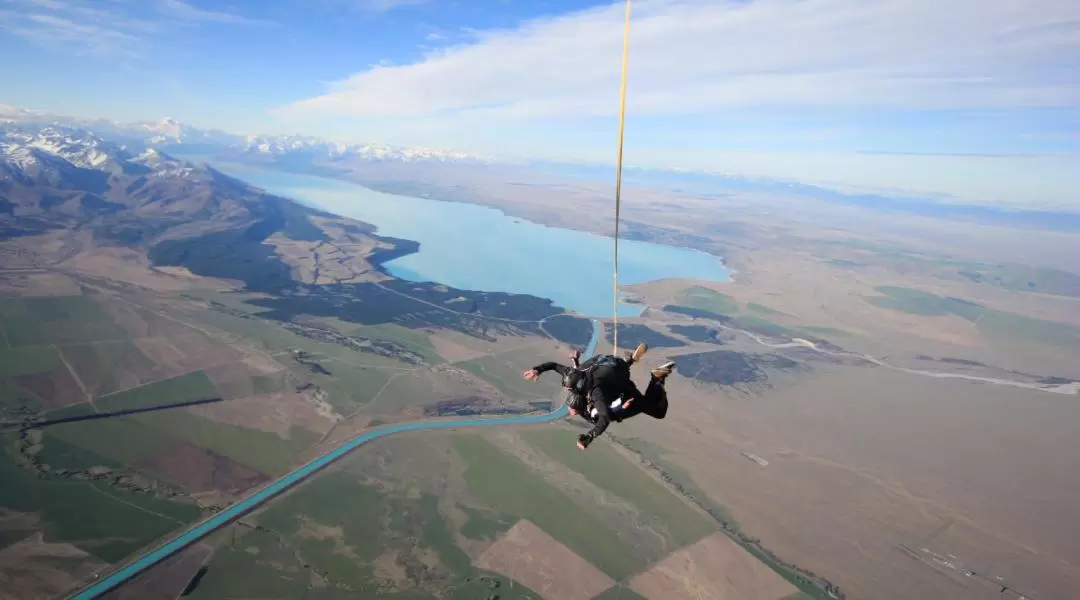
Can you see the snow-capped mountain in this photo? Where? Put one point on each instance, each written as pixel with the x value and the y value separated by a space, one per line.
pixel 58 177
pixel 76 146
pixel 290 144
pixel 170 134
pixel 74 191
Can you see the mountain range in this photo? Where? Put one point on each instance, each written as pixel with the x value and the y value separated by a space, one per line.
pixel 169 134
pixel 76 190
pixel 370 164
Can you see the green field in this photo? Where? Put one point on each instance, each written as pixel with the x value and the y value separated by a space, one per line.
pixel 109 524
pixel 355 376
pixel 274 338
pixel 261 450
pixel 406 389
pixel 349 386
pixel 997 326
pixel 338 526
pixel 193 386
pixel 243 570
pixel 56 320
pixel 502 481
pixel 412 339
pixel 123 439
pixel 703 298
pixel 24 361
pixel 99 365
pixel 58 454
pixel 1016 277
pixel 752 318
pixel 604 467
pixel 504 372
pixel 131 438
pixel 14 401
pixel 683 480
pixel 480 526
pixel 618 593
pixel 761 309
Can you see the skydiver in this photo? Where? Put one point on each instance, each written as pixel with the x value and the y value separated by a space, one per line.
pixel 600 390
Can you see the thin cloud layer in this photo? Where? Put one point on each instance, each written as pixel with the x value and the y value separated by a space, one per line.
pixel 187 11
pixel 104 28
pixel 695 56
pixel 388 5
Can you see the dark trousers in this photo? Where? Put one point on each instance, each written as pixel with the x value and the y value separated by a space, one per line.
pixel 653 402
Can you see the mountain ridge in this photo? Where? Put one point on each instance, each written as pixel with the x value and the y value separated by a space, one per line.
pixel 74 195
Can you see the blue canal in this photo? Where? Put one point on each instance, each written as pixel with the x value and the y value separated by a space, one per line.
pixel 238 509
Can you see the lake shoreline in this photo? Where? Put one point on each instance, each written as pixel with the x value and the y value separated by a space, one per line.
pixel 343 177
pixel 483 248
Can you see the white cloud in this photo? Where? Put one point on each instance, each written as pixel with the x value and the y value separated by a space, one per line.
pixel 94 28
pixel 104 27
pixel 696 56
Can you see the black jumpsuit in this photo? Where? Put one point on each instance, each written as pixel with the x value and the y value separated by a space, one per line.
pixel 606 383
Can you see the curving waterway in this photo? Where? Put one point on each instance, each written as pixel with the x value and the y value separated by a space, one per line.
pixel 269 491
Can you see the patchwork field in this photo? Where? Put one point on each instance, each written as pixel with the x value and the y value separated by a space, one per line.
pixel 714 567
pixel 526 554
pixel 472 515
pixel 100 458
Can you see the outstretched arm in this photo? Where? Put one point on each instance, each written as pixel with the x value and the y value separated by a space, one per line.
pixel 536 371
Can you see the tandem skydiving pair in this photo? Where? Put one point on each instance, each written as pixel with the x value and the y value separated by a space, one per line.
pixel 601 391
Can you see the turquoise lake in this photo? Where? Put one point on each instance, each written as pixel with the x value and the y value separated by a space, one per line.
pixel 479 248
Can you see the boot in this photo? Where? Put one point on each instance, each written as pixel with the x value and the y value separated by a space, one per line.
pixel 635 356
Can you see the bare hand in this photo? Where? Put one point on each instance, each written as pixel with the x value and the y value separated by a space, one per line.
pixel 531 375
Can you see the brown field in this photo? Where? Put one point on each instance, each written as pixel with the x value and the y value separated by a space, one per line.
pixel 55 389
pixel 185 353
pixel 16 521
pixel 35 570
pixel 130 371
pixel 274 413
pixel 327 262
pixel 199 470
pixel 501 344
pixel 715 568
pixel 816 294
pixel 22 284
pixel 231 380
pixel 526 554
pixel 140 323
pixel 261 364
pixel 124 264
pixel 864 460
pixel 167 580
pixel 453 351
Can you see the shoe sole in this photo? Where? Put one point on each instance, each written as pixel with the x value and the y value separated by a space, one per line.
pixel 664 370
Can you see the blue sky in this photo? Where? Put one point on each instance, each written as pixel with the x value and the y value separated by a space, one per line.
pixel 978 101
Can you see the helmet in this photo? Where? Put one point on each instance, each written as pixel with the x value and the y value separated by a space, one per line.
pixel 574 381
pixel 575 401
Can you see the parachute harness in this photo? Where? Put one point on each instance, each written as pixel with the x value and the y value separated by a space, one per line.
pixel 618 173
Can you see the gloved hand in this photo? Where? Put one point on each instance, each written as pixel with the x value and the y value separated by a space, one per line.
pixel 584 440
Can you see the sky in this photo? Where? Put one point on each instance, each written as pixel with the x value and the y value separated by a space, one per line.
pixel 973 100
